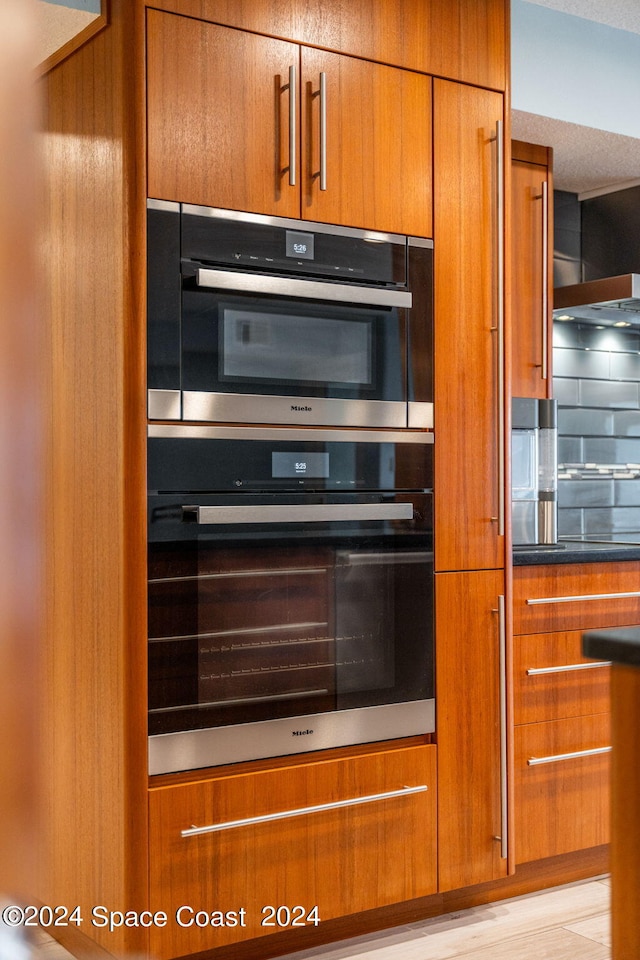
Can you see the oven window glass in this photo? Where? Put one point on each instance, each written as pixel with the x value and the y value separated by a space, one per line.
pixel 271 630
pixel 284 347
pixel 249 344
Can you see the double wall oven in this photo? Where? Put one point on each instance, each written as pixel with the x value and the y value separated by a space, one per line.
pixel 290 567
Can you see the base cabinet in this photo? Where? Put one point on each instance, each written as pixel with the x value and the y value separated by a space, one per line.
pixel 561 703
pixel 561 786
pixel 471 799
pixel 373 844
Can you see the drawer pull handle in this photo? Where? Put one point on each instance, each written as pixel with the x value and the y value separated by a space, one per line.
pixel 588 596
pixel 567 668
pixel 535 761
pixel 302 811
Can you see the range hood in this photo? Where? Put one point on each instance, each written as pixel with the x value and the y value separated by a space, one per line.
pixel 610 301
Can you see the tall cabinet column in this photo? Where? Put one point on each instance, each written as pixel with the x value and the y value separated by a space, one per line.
pixel 469 484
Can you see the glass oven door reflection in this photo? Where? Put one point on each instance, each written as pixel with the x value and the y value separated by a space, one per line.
pixel 267 634
pixel 245 633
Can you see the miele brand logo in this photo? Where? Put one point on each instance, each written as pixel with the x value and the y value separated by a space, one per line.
pixel 301 409
pixel 301 733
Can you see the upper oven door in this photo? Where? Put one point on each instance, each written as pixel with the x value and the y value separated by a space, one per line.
pixel 243 327
pixel 272 349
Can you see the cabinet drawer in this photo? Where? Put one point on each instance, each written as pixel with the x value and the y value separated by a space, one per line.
pixel 364 851
pixel 575 597
pixel 552 680
pixel 561 805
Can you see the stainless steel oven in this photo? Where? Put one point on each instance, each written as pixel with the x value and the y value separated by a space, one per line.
pixel 290 591
pixel 255 319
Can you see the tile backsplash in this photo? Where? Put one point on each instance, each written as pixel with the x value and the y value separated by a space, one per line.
pixel 597 386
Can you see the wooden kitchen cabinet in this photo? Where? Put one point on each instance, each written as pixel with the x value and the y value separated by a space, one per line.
pixel 469 419
pixel 561 703
pixel 575 596
pixel 465 40
pixel 218 116
pixel 561 786
pixel 470 729
pixel 370 110
pixel 230 126
pixel 546 689
pixel 330 863
pixel 469 545
pixel 532 269
pixel 98 155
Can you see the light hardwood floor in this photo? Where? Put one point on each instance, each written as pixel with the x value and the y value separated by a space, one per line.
pixel 563 923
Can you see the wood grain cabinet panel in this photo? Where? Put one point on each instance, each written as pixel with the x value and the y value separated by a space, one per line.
pixel 465 40
pixel 561 804
pixel 378 144
pixel 220 102
pixel 218 116
pixel 575 596
pixel 561 703
pixel 467 302
pixel 470 812
pixel 532 270
pixel 343 860
pixel 552 680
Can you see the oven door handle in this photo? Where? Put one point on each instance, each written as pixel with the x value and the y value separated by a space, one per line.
pixel 297 287
pixel 385 559
pixel 297 513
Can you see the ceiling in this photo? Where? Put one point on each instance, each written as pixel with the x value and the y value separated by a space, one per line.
pixel 586 160
pixel 623 14
pixel 60 23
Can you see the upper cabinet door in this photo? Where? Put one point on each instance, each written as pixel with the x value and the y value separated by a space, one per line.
pixel 366 135
pixel 532 270
pixel 219 108
pixel 469 488
pixel 228 113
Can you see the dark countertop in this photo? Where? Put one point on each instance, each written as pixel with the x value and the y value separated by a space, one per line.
pixel 575 551
pixel 620 644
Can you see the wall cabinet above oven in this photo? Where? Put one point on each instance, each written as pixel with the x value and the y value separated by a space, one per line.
pixel 246 122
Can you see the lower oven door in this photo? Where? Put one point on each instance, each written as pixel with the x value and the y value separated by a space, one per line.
pixel 287 625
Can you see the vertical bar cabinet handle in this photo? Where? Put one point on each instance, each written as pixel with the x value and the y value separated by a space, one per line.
pixel 499 141
pixel 504 819
pixel 293 136
pixel 323 131
pixel 545 279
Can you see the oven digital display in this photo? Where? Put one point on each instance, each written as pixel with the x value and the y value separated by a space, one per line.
pixel 290 465
pixel 299 245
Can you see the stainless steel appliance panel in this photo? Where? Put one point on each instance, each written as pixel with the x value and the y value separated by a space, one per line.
pixel 251 741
